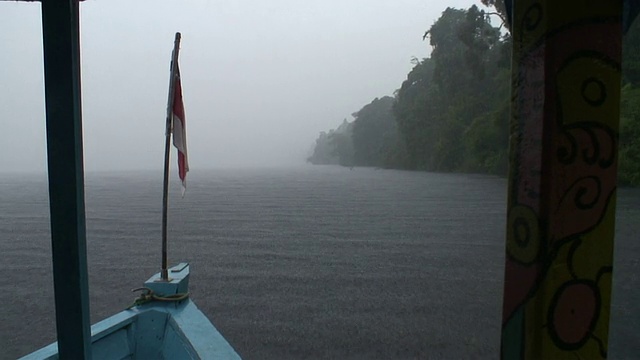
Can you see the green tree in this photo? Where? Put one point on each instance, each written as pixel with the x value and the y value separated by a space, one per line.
pixel 500 11
pixel 323 152
pixel 342 143
pixel 631 54
pixel 629 151
pixel 452 111
pixel 416 115
pixel 471 80
pixel 334 147
pixel 374 133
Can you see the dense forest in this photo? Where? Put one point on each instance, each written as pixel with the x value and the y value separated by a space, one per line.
pixel 451 114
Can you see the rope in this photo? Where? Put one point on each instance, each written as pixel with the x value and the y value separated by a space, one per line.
pixel 148 295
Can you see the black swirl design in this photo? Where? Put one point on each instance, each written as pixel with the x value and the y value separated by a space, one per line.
pixel 532 17
pixel 568 154
pixel 586 192
pixel 524 233
pixel 599 150
pixel 594 91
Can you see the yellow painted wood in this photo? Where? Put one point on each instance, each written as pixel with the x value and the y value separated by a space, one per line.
pixel 562 184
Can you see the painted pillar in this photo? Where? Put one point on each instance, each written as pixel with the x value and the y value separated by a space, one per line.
pixel 61 39
pixel 562 182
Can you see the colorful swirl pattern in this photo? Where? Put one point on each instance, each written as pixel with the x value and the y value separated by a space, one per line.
pixel 564 141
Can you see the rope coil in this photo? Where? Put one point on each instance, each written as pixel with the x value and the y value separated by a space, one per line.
pixel 148 295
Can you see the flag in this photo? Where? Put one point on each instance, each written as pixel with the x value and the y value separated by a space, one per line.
pixel 179 131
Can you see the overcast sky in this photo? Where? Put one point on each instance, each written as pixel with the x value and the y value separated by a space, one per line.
pixel 260 78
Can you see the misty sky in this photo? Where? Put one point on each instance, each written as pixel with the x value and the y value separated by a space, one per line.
pixel 260 78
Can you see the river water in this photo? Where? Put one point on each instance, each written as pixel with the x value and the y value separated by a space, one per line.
pixel 301 262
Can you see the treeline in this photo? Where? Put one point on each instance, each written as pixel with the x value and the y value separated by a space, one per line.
pixel 452 112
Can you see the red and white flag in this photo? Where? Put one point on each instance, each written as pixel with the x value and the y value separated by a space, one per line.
pixel 180 131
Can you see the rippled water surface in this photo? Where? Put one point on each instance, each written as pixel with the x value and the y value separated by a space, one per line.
pixel 306 262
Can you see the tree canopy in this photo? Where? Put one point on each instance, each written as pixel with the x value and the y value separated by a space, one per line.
pixel 629 155
pixel 452 111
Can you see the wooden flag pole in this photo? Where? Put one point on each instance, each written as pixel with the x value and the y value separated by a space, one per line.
pixel 167 152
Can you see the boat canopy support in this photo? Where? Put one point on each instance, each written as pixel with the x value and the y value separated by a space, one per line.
pixel 566 77
pixel 60 27
pixel 631 9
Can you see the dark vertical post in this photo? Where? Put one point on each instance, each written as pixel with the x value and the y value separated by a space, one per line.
pixel 60 26
pixel 562 181
pixel 164 274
